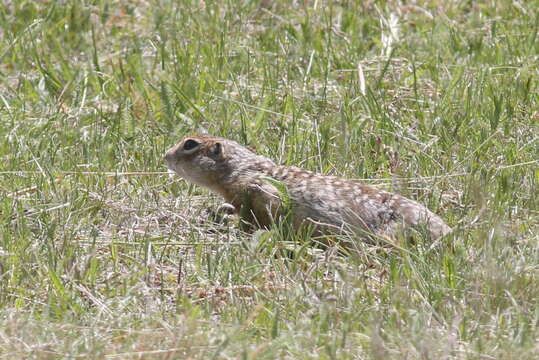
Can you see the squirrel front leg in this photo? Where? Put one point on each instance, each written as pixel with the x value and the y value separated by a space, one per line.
pixel 258 207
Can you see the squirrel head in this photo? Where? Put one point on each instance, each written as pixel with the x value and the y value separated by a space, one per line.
pixel 215 162
pixel 198 159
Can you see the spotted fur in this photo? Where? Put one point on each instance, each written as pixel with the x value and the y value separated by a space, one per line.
pixel 332 204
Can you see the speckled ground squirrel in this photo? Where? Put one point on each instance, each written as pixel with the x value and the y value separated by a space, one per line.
pixel 333 205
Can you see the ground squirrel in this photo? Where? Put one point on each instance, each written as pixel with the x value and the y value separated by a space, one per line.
pixel 332 204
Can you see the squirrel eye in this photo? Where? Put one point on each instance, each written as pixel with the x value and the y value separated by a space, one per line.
pixel 190 145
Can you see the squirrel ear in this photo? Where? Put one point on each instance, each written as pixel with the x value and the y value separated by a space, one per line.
pixel 216 149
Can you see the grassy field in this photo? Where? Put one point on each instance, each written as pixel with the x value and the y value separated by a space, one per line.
pixel 104 255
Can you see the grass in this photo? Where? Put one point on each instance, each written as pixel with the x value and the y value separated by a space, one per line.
pixel 102 255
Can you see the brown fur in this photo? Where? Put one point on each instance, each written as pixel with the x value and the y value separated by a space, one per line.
pixel 333 205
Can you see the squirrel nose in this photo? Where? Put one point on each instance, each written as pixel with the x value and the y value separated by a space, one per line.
pixel 169 155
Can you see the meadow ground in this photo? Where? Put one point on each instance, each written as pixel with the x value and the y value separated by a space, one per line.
pixel 103 255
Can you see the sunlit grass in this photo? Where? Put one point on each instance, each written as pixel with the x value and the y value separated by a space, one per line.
pixel 102 254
